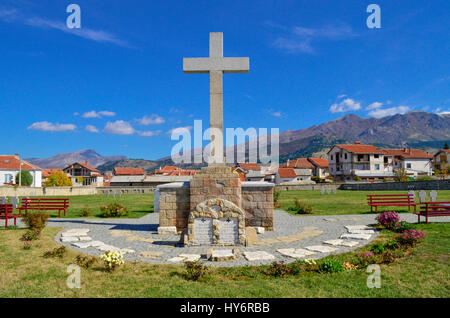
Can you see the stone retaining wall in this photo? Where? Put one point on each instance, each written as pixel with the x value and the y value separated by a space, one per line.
pixel 257 202
pixel 399 186
pixel 174 204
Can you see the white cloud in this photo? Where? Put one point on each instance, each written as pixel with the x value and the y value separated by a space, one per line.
pixel 345 105
pixel 440 111
pixel 91 129
pixel 178 129
pixel 119 127
pixel 152 120
pixel 300 39
pixel 94 114
pixel 149 133
pixel 378 113
pixel 374 105
pixel 47 126
pixel 276 114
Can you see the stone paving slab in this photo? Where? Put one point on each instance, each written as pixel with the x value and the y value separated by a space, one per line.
pixel 258 256
pixel 356 236
pixel 185 258
pixel 341 242
pixel 295 252
pixel 321 248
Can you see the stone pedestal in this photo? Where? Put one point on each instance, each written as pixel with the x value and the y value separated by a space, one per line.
pixel 215 182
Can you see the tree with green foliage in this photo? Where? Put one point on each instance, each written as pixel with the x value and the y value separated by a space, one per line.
pixel 25 178
pixel 400 175
pixel 58 179
pixel 446 145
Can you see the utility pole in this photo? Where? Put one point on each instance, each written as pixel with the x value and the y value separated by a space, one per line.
pixel 20 172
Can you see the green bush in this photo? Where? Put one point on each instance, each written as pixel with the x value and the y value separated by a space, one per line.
pixel 35 220
pixel 278 269
pixel 195 270
pixel 331 265
pixel 86 212
pixel 85 261
pixel 26 178
pixel 404 226
pixel 276 198
pixel 377 248
pixel 56 252
pixel 113 210
pixel 30 235
pixel 302 208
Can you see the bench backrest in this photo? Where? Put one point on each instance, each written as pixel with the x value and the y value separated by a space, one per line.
pixel 441 206
pixel 6 208
pixel 47 202
pixel 390 198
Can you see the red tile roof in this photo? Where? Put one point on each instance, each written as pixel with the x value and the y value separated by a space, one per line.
pixel 250 166
pixel 298 163
pixel 127 171
pixel 181 172
pixel 408 153
pixel 444 150
pixel 47 172
pixel 287 173
pixel 320 162
pixel 13 163
pixel 361 149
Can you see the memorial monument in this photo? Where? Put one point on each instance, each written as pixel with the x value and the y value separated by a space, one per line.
pixel 215 207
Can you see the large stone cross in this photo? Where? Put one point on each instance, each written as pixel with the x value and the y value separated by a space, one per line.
pixel 216 65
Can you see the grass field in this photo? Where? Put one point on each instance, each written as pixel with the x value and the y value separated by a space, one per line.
pixel 25 273
pixel 139 204
pixel 344 202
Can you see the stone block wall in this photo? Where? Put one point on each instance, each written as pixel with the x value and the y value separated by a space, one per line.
pixel 257 202
pixel 174 205
pixel 215 182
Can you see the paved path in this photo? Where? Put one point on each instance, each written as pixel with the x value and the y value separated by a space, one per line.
pixel 297 236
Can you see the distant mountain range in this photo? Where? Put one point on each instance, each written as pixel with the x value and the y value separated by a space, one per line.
pixel 64 159
pixel 427 131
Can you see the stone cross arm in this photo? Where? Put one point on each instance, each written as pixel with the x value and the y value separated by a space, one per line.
pixel 208 64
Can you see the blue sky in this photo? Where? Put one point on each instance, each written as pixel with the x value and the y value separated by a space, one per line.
pixel 117 85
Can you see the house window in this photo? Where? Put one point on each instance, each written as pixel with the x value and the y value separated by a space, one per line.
pixel 8 178
pixel 408 166
pixel 377 167
pixel 376 156
pixel 331 157
pixel 345 156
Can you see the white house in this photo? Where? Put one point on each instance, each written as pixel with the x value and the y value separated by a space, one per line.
pixel 414 161
pixel 80 171
pixel 285 175
pixel 302 167
pixel 10 167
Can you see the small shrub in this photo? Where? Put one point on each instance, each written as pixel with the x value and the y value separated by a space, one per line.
pixel 302 208
pixel 278 269
pixel 31 235
pixel 348 266
pixel 365 259
pixel 85 261
pixel 27 245
pixel 410 238
pixel 56 252
pixel 276 198
pixel 35 220
pixel 331 265
pixel 310 265
pixel 114 210
pixel 404 226
pixel 388 257
pixel 112 260
pixel 86 212
pixel 389 220
pixel 377 248
pixel 391 245
pixel 195 270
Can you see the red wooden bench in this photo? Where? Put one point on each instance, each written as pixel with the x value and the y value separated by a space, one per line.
pixel 45 204
pixel 7 212
pixel 376 200
pixel 430 209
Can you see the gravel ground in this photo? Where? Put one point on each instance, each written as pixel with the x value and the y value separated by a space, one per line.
pixel 284 224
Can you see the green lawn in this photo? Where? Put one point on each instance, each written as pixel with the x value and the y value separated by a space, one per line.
pixel 423 273
pixel 139 204
pixel 344 202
